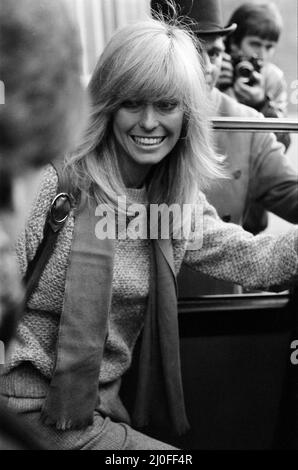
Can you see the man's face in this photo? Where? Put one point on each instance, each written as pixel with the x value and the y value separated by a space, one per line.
pixel 214 49
pixel 256 46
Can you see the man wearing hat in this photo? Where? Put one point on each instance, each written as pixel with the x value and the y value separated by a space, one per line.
pixel 259 170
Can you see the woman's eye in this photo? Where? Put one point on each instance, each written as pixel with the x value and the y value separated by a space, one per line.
pixel 166 105
pixel 130 104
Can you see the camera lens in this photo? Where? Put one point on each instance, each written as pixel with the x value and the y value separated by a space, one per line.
pixel 244 69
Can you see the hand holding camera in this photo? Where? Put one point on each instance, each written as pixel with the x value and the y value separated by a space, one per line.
pixel 244 75
pixel 250 94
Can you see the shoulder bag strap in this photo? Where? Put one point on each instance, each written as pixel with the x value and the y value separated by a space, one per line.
pixel 57 215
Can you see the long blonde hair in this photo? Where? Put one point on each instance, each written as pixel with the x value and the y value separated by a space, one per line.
pixel 147 61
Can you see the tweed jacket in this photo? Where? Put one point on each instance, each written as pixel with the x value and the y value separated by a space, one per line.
pixel 222 250
pixel 11 292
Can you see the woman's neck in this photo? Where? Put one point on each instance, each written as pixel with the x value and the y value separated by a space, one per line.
pixel 133 174
pixel 134 177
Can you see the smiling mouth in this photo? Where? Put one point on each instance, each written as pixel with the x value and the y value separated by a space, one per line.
pixel 147 141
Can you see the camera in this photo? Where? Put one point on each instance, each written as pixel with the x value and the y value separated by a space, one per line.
pixel 245 66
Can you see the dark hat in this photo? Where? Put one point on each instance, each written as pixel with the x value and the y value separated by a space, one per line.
pixel 205 15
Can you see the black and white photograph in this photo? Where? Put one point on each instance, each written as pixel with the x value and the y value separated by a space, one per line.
pixel 148 227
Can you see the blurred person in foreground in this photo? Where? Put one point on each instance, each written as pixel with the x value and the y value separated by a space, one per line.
pixel 40 120
pixel 258 167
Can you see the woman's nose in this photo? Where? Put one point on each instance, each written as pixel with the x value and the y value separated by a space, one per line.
pixel 148 120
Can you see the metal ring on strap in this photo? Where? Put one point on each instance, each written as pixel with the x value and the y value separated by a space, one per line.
pixel 53 207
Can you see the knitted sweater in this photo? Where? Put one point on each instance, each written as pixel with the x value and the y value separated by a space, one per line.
pixel 11 292
pixel 227 252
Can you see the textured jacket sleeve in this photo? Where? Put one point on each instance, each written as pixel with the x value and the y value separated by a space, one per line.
pixel 273 180
pixel 32 235
pixel 225 251
pixel 11 292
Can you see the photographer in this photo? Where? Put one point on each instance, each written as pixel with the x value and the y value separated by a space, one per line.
pixel 247 73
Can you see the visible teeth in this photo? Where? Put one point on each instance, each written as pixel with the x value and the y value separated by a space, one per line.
pixel 147 140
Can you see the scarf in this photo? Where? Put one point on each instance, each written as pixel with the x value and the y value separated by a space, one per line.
pixel 73 391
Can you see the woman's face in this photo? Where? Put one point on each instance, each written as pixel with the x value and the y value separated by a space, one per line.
pixel 147 132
